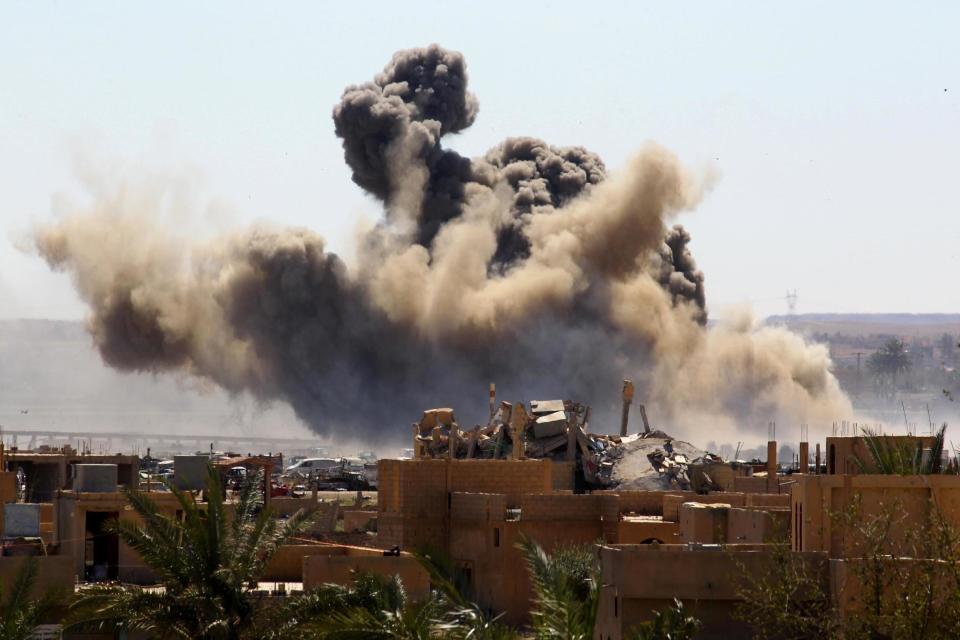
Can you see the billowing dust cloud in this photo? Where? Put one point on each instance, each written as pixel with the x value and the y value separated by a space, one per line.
pixel 529 266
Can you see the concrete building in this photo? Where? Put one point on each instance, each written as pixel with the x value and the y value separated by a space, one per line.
pixel 48 472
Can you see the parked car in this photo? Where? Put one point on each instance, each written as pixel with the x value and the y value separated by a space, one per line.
pixel 309 466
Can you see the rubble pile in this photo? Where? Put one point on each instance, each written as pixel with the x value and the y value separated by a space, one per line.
pixel 657 461
pixel 558 430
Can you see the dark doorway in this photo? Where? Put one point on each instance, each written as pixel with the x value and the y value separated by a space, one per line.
pixel 102 549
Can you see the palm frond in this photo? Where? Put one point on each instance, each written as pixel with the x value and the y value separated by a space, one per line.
pixel 892 455
pixel 563 607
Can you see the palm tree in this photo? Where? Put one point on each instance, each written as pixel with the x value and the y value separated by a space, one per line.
pixel 888 362
pixel 20 615
pixel 892 455
pixel 566 590
pixel 206 562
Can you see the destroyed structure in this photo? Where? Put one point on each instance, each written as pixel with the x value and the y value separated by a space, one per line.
pixel 558 430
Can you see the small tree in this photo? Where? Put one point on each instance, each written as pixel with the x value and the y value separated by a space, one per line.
pixel 910 582
pixel 788 601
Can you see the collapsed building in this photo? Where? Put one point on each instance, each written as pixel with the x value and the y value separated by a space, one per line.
pixel 558 430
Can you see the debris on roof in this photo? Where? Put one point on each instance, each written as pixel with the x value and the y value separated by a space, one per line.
pixel 559 430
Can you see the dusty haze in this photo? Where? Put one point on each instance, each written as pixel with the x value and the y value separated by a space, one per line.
pixel 531 266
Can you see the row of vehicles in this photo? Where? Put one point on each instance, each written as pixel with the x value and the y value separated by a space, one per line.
pixel 326 473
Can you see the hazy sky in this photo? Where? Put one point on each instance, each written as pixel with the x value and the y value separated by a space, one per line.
pixel 835 127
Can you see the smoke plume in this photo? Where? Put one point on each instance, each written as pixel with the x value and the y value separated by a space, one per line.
pixel 529 266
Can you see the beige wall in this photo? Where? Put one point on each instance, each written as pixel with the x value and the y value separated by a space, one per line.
pixel 53 572
pixel 643 531
pixel 819 500
pixel 705 523
pixel 758 525
pixel 672 502
pixel 287 563
pixel 638 580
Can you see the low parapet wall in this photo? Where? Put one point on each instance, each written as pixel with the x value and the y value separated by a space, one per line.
pixel 341 569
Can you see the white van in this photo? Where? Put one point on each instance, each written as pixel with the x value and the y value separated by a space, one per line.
pixel 312 465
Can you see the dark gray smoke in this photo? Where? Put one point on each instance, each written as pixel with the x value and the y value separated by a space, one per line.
pixel 528 267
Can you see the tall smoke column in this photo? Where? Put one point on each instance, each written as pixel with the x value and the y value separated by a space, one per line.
pixel 529 266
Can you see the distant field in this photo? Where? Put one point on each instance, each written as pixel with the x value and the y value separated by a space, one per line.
pixel 899 324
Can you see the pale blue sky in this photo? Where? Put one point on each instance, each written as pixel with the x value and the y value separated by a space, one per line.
pixel 835 127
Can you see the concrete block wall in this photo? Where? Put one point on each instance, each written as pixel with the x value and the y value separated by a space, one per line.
pixel 704 523
pixel 750 484
pixel 412 487
pixel 513 478
pixel 672 502
pixel 817 498
pixel 779 500
pixel 645 531
pixel 758 525
pixel 479 507
pixel 562 475
pixel 410 533
pixel 95 478
pixel 644 503
pixel 284 506
pixel 558 508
